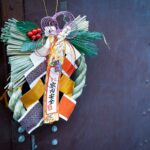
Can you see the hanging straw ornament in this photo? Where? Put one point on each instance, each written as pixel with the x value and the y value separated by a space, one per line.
pixel 48 67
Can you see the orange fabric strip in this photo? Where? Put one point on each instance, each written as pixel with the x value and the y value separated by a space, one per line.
pixel 33 94
pixel 66 107
pixel 68 67
pixel 66 85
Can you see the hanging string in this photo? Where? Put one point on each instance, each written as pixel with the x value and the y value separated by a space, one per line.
pixel 56 9
pixel 45 8
pixel 46 12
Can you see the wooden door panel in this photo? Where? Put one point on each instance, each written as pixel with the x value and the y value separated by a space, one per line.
pixel 114 111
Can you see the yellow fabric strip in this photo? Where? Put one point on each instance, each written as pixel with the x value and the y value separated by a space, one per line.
pixel 66 85
pixel 33 94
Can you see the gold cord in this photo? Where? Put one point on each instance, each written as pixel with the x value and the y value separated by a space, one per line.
pixel 56 9
pixel 45 8
pixel 46 12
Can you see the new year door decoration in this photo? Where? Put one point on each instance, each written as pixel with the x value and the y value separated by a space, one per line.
pixel 48 68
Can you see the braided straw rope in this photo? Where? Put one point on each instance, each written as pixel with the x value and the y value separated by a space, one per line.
pixel 80 76
pixel 17 107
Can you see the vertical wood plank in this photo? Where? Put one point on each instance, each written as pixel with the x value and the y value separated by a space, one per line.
pixel 109 113
pixel 8 127
pixel 8 9
pixel 12 9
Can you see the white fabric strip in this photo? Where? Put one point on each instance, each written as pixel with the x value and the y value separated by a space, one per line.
pixel 63 117
pixel 28 111
pixel 36 126
pixel 70 53
pixel 35 80
pixel 71 99
pixel 36 60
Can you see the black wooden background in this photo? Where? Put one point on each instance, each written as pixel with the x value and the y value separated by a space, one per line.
pixel 114 111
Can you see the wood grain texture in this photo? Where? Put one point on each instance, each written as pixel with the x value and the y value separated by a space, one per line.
pixel 8 127
pixel 8 9
pixel 112 113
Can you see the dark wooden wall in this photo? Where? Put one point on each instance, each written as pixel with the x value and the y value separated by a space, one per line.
pixel 114 111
